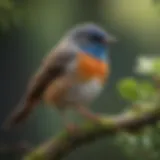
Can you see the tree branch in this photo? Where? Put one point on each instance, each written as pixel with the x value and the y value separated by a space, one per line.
pixel 62 144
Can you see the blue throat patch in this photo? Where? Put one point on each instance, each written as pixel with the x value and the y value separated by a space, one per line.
pixel 98 51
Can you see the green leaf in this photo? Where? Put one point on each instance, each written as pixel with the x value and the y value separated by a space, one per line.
pixel 128 89
pixel 146 89
pixel 7 4
pixel 156 67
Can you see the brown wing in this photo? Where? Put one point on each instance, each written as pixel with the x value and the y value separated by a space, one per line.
pixel 53 67
pixel 55 91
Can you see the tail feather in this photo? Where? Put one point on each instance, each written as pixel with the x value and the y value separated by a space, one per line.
pixel 20 114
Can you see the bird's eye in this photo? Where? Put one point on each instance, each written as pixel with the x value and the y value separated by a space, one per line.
pixel 95 38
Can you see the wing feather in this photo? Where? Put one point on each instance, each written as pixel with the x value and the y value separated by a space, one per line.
pixel 53 66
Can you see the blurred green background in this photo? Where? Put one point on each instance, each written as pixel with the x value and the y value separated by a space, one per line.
pixel 30 28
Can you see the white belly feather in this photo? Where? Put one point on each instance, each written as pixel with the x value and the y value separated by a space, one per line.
pixel 84 93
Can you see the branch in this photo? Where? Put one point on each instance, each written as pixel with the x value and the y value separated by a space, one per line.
pixel 62 144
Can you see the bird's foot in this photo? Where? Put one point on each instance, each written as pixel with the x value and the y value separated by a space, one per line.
pixel 72 128
pixel 89 115
pixel 94 117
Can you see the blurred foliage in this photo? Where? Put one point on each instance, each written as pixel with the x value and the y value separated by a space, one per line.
pixel 145 144
pixel 9 15
pixel 133 90
pixel 157 5
pixel 156 67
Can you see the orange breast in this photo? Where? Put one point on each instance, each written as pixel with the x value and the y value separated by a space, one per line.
pixel 89 67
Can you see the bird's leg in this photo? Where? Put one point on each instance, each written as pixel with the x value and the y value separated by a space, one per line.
pixel 88 114
pixel 71 127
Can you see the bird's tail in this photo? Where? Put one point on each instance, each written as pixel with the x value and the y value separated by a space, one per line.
pixel 20 113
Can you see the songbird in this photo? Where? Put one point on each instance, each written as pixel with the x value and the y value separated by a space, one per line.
pixel 72 75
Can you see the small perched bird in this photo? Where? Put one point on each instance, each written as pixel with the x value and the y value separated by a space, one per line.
pixel 71 76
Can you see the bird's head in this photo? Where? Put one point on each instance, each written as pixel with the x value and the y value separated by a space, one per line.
pixel 92 39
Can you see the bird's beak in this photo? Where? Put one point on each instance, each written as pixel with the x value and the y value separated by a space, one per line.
pixel 110 40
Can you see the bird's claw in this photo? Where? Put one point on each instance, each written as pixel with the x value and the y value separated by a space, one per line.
pixel 72 128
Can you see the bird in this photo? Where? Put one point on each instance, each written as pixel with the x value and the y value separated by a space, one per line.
pixel 71 76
